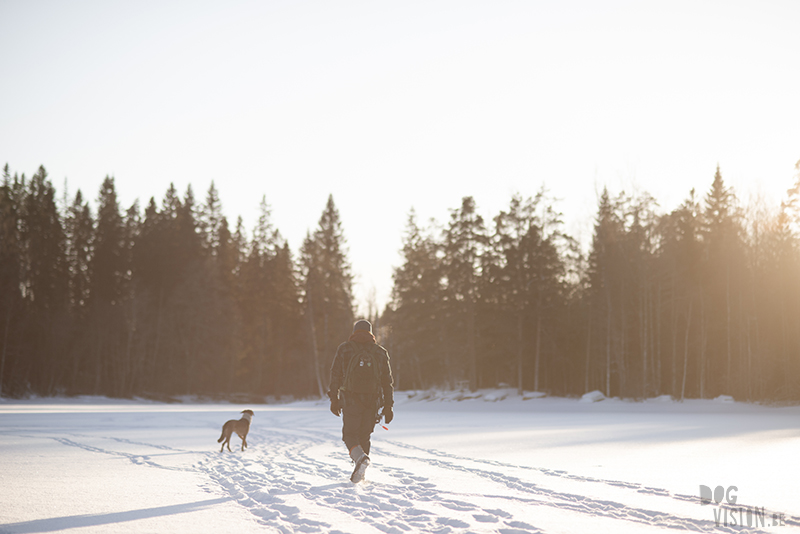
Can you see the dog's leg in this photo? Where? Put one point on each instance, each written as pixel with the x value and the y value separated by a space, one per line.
pixel 225 438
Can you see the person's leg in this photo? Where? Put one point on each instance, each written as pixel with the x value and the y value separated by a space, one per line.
pixel 358 422
pixel 351 422
pixel 367 426
pixel 358 453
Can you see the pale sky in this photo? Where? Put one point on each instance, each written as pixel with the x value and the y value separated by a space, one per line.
pixel 394 105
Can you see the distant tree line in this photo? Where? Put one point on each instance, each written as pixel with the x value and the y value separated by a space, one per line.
pixel 168 301
pixel 698 302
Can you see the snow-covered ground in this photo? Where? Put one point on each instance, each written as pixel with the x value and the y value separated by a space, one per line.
pixel 450 463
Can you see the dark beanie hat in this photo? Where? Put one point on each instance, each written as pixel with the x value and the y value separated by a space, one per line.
pixel 362 325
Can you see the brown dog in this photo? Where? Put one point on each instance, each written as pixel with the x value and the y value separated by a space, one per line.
pixel 240 426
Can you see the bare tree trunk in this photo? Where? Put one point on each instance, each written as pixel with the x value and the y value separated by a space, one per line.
pixel 128 379
pixel 519 353
pixel 5 349
pixel 418 369
pixel 266 349
pixel 622 371
pixel 686 350
pixel 588 355
pixel 760 378
pixel 703 344
pixel 749 363
pixel 608 344
pixel 753 316
pixel 784 352
pixel 233 367
pixel 741 380
pixel 728 324
pixel 657 342
pixel 674 321
pixel 473 357
pixel 159 316
pixel 325 347
pixel 98 366
pixel 189 362
pixel 538 351
pixel 315 350
pixel 644 340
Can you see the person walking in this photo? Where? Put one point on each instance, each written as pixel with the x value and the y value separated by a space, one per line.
pixel 361 384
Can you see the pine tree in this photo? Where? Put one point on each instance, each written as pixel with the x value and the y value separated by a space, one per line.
pixel 209 220
pixel 79 232
pixel 191 327
pixel 639 248
pixel 773 312
pixel 132 305
pixel 10 275
pixel 226 266
pixel 44 283
pixel 416 309
pixel 605 272
pixel 792 204
pixel 328 293
pixel 722 238
pixel 106 293
pixel 464 242
pixel 681 255
pixel 290 367
pixel 528 241
pixel 80 239
pixel 258 299
pixel 107 267
pixel 514 277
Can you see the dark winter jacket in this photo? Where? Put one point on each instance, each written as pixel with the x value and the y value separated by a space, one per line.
pixel 345 353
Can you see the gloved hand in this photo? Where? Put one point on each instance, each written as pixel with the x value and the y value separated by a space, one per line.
pixel 336 408
pixel 388 414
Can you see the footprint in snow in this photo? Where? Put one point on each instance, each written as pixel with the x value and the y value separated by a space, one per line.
pixel 450 522
pixel 458 506
pixel 499 513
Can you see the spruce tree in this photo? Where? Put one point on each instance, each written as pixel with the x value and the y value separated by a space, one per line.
pixel 106 293
pixel 723 255
pixel 44 283
pixel 530 246
pixel 209 220
pixel 328 289
pixel 10 274
pixel 80 240
pixel 604 273
pixel 416 309
pixel 258 299
pixel 464 242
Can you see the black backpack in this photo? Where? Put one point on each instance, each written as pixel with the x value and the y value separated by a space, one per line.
pixel 363 372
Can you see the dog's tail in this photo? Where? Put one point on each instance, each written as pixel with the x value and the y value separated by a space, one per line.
pixel 222 437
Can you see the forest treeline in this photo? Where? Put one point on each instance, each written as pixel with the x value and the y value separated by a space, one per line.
pixel 172 300
pixel 166 301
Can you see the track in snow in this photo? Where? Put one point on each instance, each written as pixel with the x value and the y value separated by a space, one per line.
pixel 297 481
pixel 295 478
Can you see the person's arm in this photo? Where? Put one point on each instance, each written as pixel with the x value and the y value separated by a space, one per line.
pixel 387 384
pixel 337 371
pixel 337 375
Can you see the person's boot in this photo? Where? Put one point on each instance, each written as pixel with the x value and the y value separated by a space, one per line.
pixel 362 462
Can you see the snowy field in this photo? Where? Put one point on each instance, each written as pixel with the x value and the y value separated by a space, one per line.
pixel 483 464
